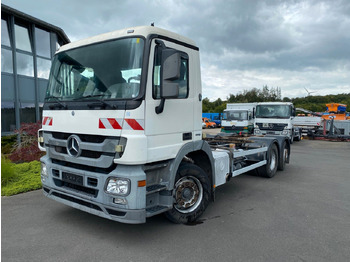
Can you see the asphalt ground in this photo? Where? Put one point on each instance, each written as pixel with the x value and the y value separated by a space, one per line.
pixel 302 214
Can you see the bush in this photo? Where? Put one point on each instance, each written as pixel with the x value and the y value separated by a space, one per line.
pixel 7 171
pixel 7 143
pixel 27 178
pixel 27 150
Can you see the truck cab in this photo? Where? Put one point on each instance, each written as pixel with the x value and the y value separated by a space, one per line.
pixel 112 147
pixel 238 118
pixel 275 118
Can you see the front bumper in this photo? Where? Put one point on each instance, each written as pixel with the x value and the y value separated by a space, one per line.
pixel 90 195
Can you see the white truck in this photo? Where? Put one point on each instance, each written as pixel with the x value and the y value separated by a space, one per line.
pixel 112 146
pixel 276 118
pixel 238 118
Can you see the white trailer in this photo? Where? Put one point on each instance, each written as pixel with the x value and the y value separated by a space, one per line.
pixel 238 118
pixel 113 147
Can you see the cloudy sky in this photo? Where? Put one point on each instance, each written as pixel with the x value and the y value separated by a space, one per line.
pixel 243 43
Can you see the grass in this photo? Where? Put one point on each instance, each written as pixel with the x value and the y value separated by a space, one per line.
pixel 19 178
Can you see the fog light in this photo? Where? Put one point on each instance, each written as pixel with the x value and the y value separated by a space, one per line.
pixel 120 201
pixel 118 186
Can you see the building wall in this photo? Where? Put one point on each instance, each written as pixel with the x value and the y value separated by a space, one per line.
pixel 26 53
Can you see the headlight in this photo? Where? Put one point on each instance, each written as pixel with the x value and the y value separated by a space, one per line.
pixel 285 132
pixel 118 186
pixel 257 131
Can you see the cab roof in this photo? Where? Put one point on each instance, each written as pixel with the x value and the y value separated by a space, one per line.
pixel 128 32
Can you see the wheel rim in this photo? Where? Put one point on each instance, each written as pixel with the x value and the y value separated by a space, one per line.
pixel 188 194
pixel 273 161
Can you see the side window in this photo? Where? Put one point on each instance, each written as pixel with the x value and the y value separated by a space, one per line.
pixel 182 81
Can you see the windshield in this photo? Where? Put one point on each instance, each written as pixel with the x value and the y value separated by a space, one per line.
pixel 273 111
pixel 109 70
pixel 235 115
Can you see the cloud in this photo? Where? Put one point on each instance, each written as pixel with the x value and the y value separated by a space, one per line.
pixel 243 44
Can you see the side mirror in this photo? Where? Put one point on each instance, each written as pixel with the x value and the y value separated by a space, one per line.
pixel 170 71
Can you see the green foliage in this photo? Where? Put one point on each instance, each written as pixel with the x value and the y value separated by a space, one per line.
pixel 246 96
pixel 27 178
pixel 7 144
pixel 266 94
pixel 7 171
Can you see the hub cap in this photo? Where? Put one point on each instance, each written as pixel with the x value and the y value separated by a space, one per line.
pixel 188 194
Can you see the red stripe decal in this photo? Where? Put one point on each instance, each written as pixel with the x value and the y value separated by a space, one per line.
pixel 134 124
pixel 44 120
pixel 50 124
pixel 100 125
pixel 114 123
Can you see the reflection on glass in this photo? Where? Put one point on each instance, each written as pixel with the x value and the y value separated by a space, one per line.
pixel 109 70
pixel 25 64
pixel 42 39
pixel 6 61
pixel 5 39
pixel 27 113
pixel 22 38
pixel 8 122
pixel 43 68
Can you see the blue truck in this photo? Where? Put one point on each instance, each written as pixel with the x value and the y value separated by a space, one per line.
pixel 215 117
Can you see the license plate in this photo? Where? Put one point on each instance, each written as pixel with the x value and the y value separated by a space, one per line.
pixel 72 178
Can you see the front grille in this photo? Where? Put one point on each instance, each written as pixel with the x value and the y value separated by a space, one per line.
pixel 83 137
pixel 85 168
pixel 92 150
pixel 235 128
pixel 271 126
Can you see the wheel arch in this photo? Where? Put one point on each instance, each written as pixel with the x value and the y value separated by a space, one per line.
pixel 197 152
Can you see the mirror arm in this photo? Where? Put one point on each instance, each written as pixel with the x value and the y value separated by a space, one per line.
pixel 160 108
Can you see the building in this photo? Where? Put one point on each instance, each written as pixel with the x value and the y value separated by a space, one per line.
pixel 27 47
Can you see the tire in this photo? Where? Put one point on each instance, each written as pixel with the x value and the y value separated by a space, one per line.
pixel 284 156
pixel 191 194
pixel 269 170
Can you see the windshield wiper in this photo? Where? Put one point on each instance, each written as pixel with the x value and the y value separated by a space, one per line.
pixel 99 102
pixel 58 103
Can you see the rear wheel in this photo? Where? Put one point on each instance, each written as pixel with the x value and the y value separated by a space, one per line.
pixel 284 156
pixel 191 194
pixel 269 170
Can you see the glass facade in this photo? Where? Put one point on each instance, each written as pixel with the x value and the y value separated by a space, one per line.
pixel 27 47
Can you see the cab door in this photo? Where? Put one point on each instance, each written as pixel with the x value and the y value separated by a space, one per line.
pixel 167 131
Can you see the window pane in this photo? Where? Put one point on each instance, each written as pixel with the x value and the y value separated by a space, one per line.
pixel 42 39
pixel 22 38
pixel 182 81
pixel 8 122
pixel 43 68
pixel 27 113
pixel 6 61
pixel 5 39
pixel 25 65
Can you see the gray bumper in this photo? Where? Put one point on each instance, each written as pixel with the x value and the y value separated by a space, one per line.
pixel 91 197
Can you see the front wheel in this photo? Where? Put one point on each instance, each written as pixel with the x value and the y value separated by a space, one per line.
pixel 191 194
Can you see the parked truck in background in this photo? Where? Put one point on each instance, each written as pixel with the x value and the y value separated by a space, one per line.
pixel 214 117
pixel 112 146
pixel 276 118
pixel 238 118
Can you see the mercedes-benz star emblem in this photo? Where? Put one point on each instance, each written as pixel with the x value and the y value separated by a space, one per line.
pixel 73 148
